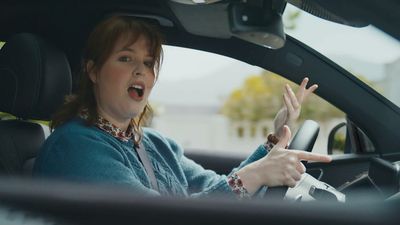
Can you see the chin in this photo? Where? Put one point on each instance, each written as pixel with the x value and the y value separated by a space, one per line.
pixel 133 109
pixel 135 113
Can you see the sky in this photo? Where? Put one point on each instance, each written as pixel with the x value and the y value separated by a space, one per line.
pixel 366 44
pixel 185 64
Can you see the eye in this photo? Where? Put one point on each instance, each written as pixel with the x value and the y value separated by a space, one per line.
pixel 149 64
pixel 125 59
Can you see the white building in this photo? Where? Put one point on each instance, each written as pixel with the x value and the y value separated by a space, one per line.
pixel 390 85
pixel 203 128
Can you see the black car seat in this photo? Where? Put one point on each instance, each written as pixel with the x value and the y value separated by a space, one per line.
pixel 34 78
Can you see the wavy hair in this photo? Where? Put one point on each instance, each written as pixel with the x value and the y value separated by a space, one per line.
pixel 98 48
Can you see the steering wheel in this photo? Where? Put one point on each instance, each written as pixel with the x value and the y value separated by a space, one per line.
pixel 303 140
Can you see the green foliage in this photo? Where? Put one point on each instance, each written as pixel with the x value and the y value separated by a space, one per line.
pixel 260 98
pixel 339 142
pixel 319 109
pixel 290 19
pixel 253 101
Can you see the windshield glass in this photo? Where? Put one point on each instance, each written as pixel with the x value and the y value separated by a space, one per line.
pixel 367 52
pixel 217 105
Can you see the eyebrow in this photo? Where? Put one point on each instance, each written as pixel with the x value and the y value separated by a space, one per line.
pixel 126 49
pixel 130 50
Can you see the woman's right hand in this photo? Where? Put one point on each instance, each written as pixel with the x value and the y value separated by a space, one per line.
pixel 280 167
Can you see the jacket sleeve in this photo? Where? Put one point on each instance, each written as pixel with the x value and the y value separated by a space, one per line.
pixel 203 182
pixel 86 158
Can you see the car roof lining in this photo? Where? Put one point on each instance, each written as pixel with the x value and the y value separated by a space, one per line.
pixel 190 16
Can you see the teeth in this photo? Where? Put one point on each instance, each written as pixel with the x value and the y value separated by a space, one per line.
pixel 137 86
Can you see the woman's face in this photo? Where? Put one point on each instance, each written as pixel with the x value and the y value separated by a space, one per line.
pixel 124 82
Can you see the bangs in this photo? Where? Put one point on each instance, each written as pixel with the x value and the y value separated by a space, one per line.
pixel 136 29
pixel 127 29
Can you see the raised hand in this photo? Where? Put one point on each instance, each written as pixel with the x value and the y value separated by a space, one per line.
pixel 292 106
pixel 281 167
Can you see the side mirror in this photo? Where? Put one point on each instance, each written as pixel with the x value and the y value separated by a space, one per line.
pixel 353 140
pixel 338 143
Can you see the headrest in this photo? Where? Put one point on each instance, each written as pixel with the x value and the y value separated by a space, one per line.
pixel 34 77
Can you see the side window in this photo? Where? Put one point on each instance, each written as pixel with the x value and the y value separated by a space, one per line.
pixel 217 105
pixel 346 137
pixel 1 44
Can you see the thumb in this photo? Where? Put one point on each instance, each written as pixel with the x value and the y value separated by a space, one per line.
pixel 284 140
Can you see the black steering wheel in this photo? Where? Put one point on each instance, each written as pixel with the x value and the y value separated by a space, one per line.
pixel 303 140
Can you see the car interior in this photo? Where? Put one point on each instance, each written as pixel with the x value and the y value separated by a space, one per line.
pixel 38 67
pixel 32 89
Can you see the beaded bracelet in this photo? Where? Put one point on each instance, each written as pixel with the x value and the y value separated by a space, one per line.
pixel 236 184
pixel 268 146
pixel 272 140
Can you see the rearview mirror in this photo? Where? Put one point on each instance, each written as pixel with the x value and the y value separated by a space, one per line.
pixel 259 25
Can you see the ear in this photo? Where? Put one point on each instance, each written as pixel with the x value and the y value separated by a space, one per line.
pixel 91 71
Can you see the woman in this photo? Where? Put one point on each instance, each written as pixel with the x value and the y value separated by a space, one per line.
pixel 98 137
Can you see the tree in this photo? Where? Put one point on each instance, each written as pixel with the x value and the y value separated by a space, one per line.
pixel 260 98
pixel 290 19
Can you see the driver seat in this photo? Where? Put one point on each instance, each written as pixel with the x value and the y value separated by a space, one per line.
pixel 35 77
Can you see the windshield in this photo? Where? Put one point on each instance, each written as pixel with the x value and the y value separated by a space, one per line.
pixel 197 91
pixel 367 52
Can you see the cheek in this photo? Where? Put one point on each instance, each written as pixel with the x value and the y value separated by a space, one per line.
pixel 114 71
pixel 150 82
pixel 149 90
pixel 114 76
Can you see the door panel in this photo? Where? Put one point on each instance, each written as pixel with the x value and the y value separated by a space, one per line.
pixel 342 169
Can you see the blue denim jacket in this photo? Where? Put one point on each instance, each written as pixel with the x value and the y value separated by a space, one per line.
pixel 83 153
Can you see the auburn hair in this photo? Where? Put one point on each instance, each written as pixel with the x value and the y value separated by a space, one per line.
pixel 99 46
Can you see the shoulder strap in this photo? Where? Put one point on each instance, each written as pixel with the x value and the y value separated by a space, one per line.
pixel 147 166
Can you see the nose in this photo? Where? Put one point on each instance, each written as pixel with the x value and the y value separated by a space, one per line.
pixel 139 70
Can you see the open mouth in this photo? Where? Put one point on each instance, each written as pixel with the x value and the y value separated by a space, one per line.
pixel 136 91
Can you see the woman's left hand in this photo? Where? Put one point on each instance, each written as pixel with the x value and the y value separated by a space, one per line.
pixel 292 108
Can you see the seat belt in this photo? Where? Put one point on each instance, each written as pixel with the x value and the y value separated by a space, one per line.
pixel 147 166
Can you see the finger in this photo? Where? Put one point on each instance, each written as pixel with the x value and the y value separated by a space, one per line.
pixel 308 156
pixel 301 168
pixel 304 83
pixel 288 102
pixel 292 97
pixel 296 175
pixel 290 183
pixel 292 173
pixel 312 89
pixel 300 92
pixel 283 142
